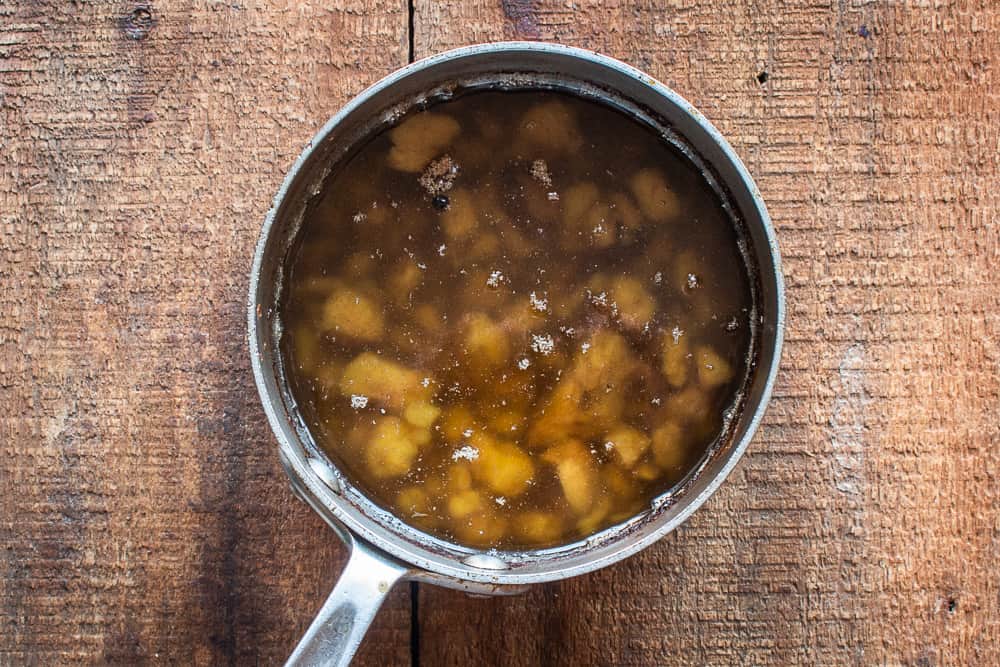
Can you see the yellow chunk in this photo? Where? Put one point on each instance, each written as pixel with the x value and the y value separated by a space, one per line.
pixel 464 503
pixel 617 482
pixel 455 422
pixel 713 370
pixel 328 374
pixel 429 319
pixel 590 522
pixel 636 306
pixel 586 220
pixel 459 477
pixel 353 314
pixel 675 360
pixel 419 139
pixel 656 200
pixel 381 380
pixel 420 436
pixel 577 200
pixel 558 415
pixel 669 447
pixel 550 125
pixel 590 395
pixel 628 444
pixel 501 465
pixel 485 341
pixel 421 414
pixel 412 500
pixel 404 279
pixel 390 451
pixel 647 472
pixel 459 220
pixel 305 348
pixel 538 527
pixel 607 360
pixel 481 529
pixel 625 215
pixel 435 486
pixel 577 474
pixel 689 404
pixel 536 201
pixel 687 272
pixel 505 421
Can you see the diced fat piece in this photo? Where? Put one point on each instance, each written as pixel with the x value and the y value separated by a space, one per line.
pixel 647 472
pixel 625 214
pixel 464 503
pixel 635 304
pixel 504 419
pixel 412 500
pixel 456 421
pixel 669 449
pixel 403 280
pixel 690 404
pixel 593 519
pixel 589 395
pixel 420 436
pixel 429 318
pixel 608 360
pixel 503 466
pixel 675 359
pixel 486 342
pixel 713 370
pixel 390 451
pixel 578 475
pixel 577 200
pixel 351 313
pixel 305 348
pixel 550 125
pixel 419 139
pixel 459 477
pixel 617 481
pixel 460 219
pixel 687 272
pixel 586 220
pixel 538 527
pixel 558 415
pixel 421 414
pixel 655 198
pixel 381 380
pixel 628 444
pixel 481 529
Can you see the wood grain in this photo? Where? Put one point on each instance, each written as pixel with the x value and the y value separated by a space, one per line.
pixel 862 526
pixel 143 515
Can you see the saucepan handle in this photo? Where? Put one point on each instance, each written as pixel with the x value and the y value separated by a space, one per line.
pixel 340 625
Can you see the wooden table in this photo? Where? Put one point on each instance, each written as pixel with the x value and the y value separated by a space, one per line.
pixel 141 500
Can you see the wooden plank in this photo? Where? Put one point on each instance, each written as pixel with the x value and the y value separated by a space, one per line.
pixel 862 526
pixel 143 513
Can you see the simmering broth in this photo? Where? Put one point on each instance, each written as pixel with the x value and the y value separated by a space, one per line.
pixel 516 317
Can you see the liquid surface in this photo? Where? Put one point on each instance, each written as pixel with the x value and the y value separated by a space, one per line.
pixel 516 318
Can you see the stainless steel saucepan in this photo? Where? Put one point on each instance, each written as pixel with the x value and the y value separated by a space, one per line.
pixel 384 550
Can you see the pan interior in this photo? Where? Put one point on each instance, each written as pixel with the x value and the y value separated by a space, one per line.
pixel 513 67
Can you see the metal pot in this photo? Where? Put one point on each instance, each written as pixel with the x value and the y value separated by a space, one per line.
pixel 384 550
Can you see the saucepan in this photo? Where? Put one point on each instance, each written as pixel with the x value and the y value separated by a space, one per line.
pixel 383 549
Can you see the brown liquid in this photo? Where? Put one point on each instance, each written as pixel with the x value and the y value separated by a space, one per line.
pixel 517 318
